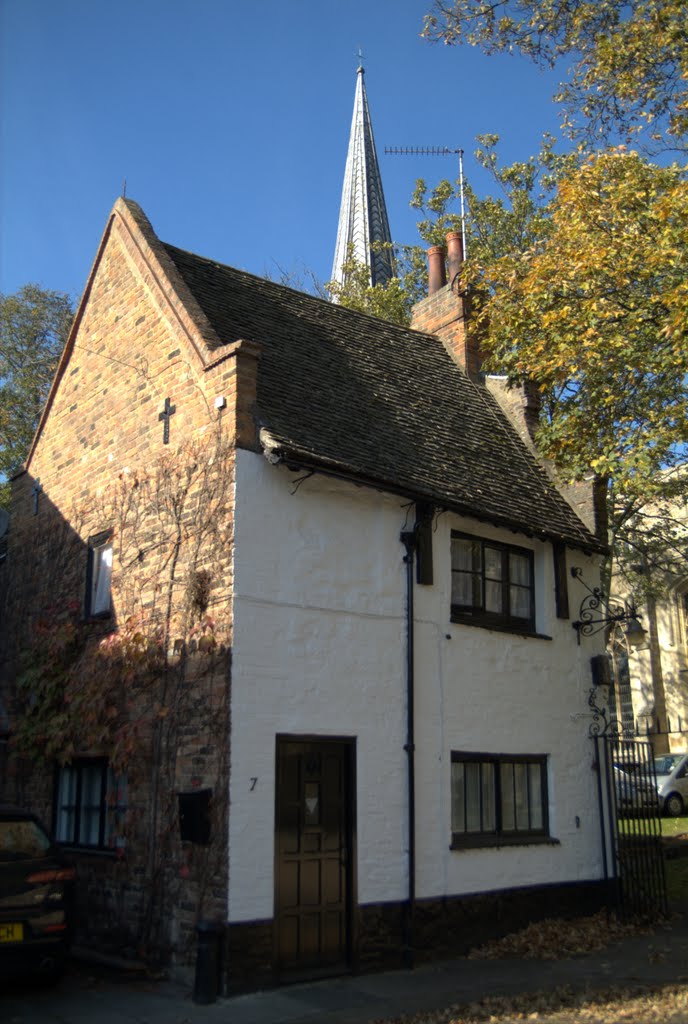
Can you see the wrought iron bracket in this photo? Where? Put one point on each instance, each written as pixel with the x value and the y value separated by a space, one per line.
pixel 590 621
pixel 600 725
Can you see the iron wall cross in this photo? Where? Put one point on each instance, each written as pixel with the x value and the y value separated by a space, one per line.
pixel 37 488
pixel 165 415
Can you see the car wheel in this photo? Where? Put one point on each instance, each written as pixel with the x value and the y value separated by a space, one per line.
pixel 673 805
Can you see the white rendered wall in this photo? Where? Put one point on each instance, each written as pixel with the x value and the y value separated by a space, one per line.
pixel 320 649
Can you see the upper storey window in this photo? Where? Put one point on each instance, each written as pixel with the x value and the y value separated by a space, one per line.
pixel 492 584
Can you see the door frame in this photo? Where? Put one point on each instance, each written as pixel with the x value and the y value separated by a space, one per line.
pixel 349 745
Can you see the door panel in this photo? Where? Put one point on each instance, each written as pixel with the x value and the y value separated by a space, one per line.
pixel 313 843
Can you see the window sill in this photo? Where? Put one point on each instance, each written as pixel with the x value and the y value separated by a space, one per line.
pixel 92 851
pixel 482 841
pixel 497 627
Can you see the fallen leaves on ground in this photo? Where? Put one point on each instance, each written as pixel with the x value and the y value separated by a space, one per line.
pixel 556 939
pixel 661 1005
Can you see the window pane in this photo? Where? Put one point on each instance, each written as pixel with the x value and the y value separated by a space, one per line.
pixel 91 789
pixel 457 793
pixel 462 589
pixel 493 597
pixel 66 805
pixel 102 574
pixel 535 791
pixel 520 600
pixel 489 802
pixel 519 569
pixel 493 563
pixel 466 573
pixel 521 794
pixel 506 781
pixel 473 797
pixel 463 557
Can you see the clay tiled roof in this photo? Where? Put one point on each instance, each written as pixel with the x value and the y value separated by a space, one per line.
pixel 359 396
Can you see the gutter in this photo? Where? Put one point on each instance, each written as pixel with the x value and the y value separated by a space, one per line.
pixel 409 540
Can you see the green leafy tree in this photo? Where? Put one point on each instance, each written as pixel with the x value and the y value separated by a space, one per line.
pixel 393 300
pixel 626 60
pixel 34 324
pixel 508 221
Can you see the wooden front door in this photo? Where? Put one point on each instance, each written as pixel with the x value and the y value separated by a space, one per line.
pixel 313 855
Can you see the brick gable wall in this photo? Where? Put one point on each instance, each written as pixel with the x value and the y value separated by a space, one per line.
pixel 102 465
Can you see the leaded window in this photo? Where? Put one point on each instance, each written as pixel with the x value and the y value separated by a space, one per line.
pixel 90 804
pixel 498 798
pixel 492 583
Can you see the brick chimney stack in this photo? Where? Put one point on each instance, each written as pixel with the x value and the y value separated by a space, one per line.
pixel 445 309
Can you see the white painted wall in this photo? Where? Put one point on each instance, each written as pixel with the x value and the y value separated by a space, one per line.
pixel 319 649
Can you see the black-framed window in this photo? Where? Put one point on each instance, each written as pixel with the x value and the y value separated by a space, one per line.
pixel 99 576
pixel 90 804
pixel 493 584
pixel 498 798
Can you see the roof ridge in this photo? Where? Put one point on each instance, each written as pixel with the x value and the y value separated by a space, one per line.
pixel 309 296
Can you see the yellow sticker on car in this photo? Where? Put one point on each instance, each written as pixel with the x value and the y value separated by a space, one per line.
pixel 11 932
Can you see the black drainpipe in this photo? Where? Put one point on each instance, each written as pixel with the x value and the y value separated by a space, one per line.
pixel 408 539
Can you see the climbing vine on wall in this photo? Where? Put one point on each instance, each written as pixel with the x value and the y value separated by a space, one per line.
pixel 146 687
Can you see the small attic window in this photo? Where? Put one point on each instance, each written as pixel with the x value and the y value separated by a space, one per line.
pixel 99 576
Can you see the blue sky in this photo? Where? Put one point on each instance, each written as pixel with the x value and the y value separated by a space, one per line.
pixel 229 122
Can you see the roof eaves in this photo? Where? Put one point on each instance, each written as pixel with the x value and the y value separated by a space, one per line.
pixel 281 451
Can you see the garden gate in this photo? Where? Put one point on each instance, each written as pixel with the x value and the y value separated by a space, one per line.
pixel 631 826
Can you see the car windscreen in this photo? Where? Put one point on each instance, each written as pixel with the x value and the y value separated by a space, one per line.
pixel 666 764
pixel 22 839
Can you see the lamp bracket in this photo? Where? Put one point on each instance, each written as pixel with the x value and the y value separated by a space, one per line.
pixel 596 601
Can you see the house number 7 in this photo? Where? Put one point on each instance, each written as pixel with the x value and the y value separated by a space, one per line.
pixel 254 781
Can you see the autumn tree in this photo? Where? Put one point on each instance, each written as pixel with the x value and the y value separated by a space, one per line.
pixel 34 324
pixel 626 61
pixel 595 310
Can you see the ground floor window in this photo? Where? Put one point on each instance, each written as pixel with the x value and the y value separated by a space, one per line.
pixel 90 803
pixel 498 799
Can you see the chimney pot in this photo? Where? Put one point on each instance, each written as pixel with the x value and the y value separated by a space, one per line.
pixel 454 255
pixel 437 271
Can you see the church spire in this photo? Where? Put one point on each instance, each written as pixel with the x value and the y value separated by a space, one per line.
pixel 363 214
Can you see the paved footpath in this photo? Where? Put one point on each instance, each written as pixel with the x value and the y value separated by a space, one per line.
pixel 95 996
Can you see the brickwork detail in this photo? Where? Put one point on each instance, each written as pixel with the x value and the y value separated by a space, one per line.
pixel 103 465
pixel 444 313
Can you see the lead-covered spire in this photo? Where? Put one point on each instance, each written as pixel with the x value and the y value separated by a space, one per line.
pixel 363 214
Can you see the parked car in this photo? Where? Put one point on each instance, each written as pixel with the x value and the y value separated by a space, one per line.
pixel 36 897
pixel 672 782
pixel 633 793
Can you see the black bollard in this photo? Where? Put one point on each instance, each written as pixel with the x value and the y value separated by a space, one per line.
pixel 207 980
